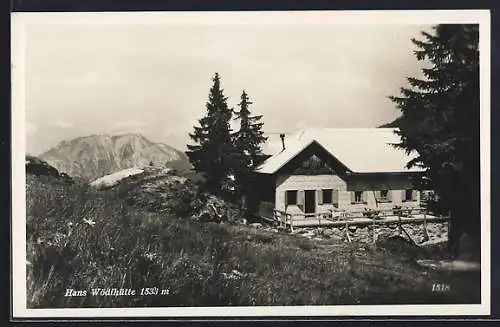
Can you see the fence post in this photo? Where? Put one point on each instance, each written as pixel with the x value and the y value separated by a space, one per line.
pixel 399 224
pixel 374 232
pixel 291 223
pixel 347 231
pixel 426 232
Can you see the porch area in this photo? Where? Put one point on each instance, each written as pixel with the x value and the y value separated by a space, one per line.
pixel 336 218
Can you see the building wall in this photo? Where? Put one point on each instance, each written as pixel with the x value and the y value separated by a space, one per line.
pixel 369 183
pixel 309 182
pixel 396 199
pixel 396 185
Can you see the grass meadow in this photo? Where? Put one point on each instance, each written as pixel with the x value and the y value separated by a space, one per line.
pixel 82 239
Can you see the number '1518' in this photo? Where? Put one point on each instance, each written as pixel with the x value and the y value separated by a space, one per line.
pixel 440 287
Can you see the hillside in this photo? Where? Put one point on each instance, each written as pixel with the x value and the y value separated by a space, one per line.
pixel 142 233
pixel 36 166
pixel 94 156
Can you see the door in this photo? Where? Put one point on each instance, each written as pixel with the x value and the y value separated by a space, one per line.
pixel 310 201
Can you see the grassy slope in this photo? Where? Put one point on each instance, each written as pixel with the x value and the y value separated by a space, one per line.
pixel 129 247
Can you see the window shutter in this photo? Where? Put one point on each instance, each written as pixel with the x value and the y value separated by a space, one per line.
pixel 389 195
pixel 353 196
pixel 286 198
pixel 378 195
pixel 300 200
pixel 363 196
pixel 403 195
pixel 320 196
pixel 414 195
pixel 335 196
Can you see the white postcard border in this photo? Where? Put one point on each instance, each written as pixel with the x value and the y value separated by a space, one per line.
pixel 19 24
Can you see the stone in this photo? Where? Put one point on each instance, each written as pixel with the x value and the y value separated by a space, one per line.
pixel 308 234
pixel 334 237
pixel 256 225
pixel 327 232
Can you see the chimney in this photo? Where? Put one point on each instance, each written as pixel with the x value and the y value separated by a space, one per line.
pixel 282 136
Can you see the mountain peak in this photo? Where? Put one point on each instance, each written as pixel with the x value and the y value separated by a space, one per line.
pixel 96 155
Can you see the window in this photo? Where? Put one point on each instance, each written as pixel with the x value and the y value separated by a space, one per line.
pixel 327 196
pixel 409 195
pixel 384 196
pixel 357 197
pixel 291 197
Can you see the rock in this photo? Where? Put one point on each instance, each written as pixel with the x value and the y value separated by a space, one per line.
pixel 334 237
pixel 337 231
pixel 353 228
pixel 218 210
pixel 308 235
pixel 256 225
pixel 327 232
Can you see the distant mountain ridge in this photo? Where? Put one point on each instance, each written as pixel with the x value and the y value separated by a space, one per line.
pixel 393 124
pixel 94 156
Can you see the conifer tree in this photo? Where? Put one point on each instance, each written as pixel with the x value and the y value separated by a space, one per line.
pixel 440 121
pixel 212 152
pixel 247 141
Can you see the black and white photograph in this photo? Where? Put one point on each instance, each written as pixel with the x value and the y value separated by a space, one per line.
pixel 214 164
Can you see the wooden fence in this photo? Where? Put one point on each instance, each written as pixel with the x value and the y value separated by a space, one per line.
pixel 336 218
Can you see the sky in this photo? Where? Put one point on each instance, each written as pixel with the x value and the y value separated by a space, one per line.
pixel 154 79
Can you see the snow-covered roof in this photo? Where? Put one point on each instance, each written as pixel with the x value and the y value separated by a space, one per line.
pixel 362 150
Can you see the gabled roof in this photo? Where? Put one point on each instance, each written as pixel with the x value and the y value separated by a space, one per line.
pixel 362 150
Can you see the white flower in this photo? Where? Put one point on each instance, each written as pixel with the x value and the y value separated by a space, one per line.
pixel 90 222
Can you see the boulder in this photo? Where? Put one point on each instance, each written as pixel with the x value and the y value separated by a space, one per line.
pixel 256 225
pixel 335 237
pixel 218 210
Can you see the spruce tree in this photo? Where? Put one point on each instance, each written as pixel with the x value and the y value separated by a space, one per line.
pixel 211 154
pixel 247 141
pixel 440 121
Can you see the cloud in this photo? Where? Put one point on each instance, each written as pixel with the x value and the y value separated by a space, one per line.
pixel 61 123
